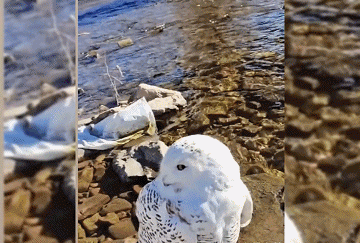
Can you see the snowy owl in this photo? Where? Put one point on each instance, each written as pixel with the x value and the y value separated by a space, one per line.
pixel 198 196
pixel 292 234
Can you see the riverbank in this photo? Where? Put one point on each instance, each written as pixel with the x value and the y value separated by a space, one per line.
pixel 322 110
pixel 243 109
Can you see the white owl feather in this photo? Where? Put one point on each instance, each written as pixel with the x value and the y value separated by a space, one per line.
pixel 292 234
pixel 198 195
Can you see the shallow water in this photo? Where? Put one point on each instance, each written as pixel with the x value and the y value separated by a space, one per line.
pixel 191 30
pixel 30 39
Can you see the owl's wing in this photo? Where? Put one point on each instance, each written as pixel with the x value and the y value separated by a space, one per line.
pixel 157 222
pixel 247 211
pixel 233 230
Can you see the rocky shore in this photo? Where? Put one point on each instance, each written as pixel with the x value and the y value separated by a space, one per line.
pixel 39 192
pixel 322 119
pixel 226 99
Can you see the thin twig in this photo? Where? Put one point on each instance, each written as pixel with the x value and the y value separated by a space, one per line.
pixel 112 83
pixel 64 46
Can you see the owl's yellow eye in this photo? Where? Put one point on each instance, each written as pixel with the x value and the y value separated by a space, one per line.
pixel 180 167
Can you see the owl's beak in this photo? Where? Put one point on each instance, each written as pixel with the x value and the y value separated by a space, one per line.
pixel 165 182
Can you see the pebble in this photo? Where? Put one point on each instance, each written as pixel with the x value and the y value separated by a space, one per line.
pixel 125 43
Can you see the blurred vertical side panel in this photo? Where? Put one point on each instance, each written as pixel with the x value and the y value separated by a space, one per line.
pixel 1 119
pixel 323 119
pixel 39 121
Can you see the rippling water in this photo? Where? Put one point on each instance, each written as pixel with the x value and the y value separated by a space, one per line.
pixel 189 28
pixel 30 39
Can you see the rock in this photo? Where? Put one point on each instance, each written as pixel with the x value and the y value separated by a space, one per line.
pixel 41 199
pixel 81 91
pixel 149 153
pixel 92 205
pixel 81 232
pixel 302 126
pixel 32 232
pixel 151 92
pixel 163 105
pixel 103 108
pixel 32 221
pixel 43 239
pixel 123 229
pixel 110 218
pixel 332 165
pixel 309 195
pixel 100 158
pixel 83 164
pixel 90 224
pixel 9 59
pixel 267 215
pixel 85 178
pixel 150 173
pixel 351 179
pixel 13 223
pixel 59 78
pixel 198 122
pixel 302 152
pixel 126 195
pixel 94 191
pixel 125 43
pixel 137 189
pixel 229 120
pixel 122 215
pixel 80 154
pixel 250 130
pixel 9 167
pixel 214 108
pixel 16 211
pixel 127 167
pixel 69 183
pixel 255 170
pixel 89 240
pixel 116 205
pixel 47 89
pixel 14 185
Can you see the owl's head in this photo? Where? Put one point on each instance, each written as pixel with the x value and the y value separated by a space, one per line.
pixel 198 163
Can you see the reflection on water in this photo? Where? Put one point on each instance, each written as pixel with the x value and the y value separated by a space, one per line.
pixel 169 37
